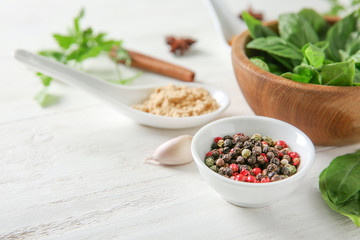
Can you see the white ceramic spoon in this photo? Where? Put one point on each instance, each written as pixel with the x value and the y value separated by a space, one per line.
pixel 121 97
pixel 226 23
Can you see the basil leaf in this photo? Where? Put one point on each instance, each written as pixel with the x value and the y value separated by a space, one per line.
pixel 276 46
pixel 296 77
pixel 338 74
pixel 355 57
pixel 314 55
pixel 260 63
pixel 316 20
pixel 338 34
pixel 64 41
pixel 309 71
pixel 349 209
pixel 296 29
pixel 255 26
pixel 343 178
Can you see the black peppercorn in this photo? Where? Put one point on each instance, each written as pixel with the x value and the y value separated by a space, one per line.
pixel 270 155
pixel 273 168
pixel 260 159
pixel 275 160
pixel 239 144
pixel 220 162
pixel 265 149
pixel 215 153
pixel 228 143
pixel 247 144
pixel 229 171
pixel 256 150
pixel 240 160
pixel 251 160
pixel 226 150
pixel 222 170
pixel 227 137
pixel 214 145
pixel 276 177
pixel 226 158
pixel 236 151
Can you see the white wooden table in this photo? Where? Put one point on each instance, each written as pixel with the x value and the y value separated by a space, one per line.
pixel 76 170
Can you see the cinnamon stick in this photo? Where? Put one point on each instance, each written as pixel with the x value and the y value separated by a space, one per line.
pixel 151 64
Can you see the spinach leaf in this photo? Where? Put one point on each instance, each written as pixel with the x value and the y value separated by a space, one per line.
pixel 255 27
pixel 316 20
pixel 296 77
pixel 339 33
pixel 314 55
pixel 339 185
pixel 296 29
pixel 338 74
pixel 276 46
pixel 260 63
pixel 309 71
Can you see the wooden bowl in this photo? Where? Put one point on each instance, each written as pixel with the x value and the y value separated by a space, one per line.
pixel 329 115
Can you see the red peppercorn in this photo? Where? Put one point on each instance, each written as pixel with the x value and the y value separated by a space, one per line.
pixel 250 178
pixel 217 139
pixel 256 171
pixel 209 154
pixel 282 144
pixel 235 173
pixel 264 180
pixel 296 161
pixel 280 154
pixel 233 177
pixel 265 143
pixel 234 167
pixel 240 178
pixel 293 154
pixel 244 172
pixel 264 155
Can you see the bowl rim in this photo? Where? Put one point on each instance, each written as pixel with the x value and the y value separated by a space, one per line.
pixel 238 48
pixel 297 176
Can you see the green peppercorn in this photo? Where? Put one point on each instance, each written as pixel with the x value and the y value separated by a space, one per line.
pixel 284 161
pixel 214 168
pixel 268 140
pixel 246 153
pixel 256 137
pixel 291 168
pixel 220 143
pixel 209 161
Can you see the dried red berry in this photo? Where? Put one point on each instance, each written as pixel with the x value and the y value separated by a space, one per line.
pixel 209 154
pixel 296 161
pixel 244 172
pixel 234 167
pixel 217 139
pixel 256 171
pixel 265 143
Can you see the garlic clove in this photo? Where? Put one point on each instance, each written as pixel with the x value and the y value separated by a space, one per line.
pixel 176 151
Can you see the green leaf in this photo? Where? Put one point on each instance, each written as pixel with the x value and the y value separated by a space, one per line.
pixel 338 74
pixel 123 55
pixel 350 208
pixel 42 97
pixel 77 23
pixel 296 29
pixel 276 46
pixel 260 63
pixel 46 80
pixel 343 178
pixel 314 55
pixel 58 56
pixel 296 77
pixel 316 21
pixel 356 80
pixel 338 34
pixel 64 41
pixel 255 27
pixel 309 71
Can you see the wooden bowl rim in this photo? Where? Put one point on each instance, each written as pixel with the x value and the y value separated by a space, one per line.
pixel 239 55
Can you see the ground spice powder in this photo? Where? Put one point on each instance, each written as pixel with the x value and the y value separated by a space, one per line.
pixel 179 101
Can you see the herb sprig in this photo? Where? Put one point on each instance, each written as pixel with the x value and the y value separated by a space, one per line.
pixel 76 47
pixel 308 49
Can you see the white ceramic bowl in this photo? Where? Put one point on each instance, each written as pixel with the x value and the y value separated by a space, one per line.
pixel 252 194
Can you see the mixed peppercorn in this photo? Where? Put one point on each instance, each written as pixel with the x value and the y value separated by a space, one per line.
pixel 253 159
